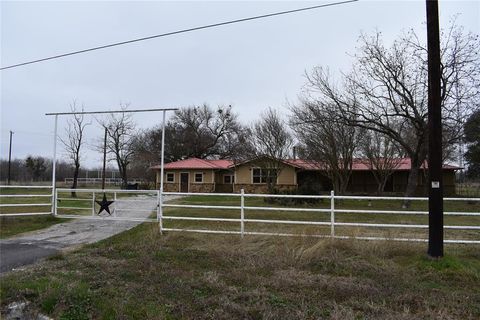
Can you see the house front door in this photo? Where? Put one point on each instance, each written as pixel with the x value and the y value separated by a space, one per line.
pixel 184 181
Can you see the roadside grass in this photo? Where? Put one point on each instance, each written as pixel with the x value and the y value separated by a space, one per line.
pixel 10 226
pixel 141 274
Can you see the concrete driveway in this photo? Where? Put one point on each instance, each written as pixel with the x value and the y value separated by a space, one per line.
pixel 28 248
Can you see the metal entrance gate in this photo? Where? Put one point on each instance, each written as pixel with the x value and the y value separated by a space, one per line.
pixel 128 205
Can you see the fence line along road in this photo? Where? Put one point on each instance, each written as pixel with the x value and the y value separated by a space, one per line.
pixel 332 210
pixel 19 197
pixel 92 195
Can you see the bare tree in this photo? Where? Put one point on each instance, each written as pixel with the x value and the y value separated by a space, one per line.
pixel 73 142
pixel 120 141
pixel 472 137
pixel 272 144
pixel 200 132
pixel 381 154
pixel 386 90
pixel 203 132
pixel 325 140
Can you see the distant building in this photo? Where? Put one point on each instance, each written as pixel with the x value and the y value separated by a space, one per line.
pixel 203 175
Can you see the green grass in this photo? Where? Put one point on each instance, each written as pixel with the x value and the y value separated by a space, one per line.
pixel 141 274
pixel 10 226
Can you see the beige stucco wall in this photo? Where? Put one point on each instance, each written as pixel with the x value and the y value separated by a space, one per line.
pixel 287 176
pixel 243 174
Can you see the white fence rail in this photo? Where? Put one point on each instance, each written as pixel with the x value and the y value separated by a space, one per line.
pixel 332 211
pixel 84 207
pixel 8 193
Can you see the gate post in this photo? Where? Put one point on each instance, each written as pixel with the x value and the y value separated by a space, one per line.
pixel 55 203
pixel 160 209
pixel 54 166
pixel 93 203
pixel 242 212
pixel 332 213
pixel 114 203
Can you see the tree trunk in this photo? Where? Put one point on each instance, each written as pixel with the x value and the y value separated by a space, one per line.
pixel 412 179
pixel 75 180
pixel 380 187
pixel 124 178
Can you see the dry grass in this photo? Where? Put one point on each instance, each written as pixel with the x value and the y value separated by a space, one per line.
pixel 142 275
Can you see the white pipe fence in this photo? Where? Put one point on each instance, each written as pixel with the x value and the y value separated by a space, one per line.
pixel 25 196
pixel 332 211
pixel 86 209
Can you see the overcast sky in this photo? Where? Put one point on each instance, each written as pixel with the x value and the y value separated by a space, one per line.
pixel 251 65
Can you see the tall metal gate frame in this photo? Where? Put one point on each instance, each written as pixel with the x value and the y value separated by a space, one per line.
pixel 56 114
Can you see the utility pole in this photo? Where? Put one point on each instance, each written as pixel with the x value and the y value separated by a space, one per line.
pixel 9 157
pixel 435 195
pixel 104 159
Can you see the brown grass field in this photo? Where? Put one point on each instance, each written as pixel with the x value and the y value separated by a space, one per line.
pixel 141 274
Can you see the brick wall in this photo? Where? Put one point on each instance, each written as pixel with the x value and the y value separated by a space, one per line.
pixel 262 188
pixel 169 187
pixel 202 187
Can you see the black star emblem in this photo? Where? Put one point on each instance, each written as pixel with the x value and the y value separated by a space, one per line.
pixel 104 204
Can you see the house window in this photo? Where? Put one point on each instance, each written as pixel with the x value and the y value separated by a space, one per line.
pixel 199 177
pixel 170 177
pixel 257 175
pixel 264 175
pixel 228 179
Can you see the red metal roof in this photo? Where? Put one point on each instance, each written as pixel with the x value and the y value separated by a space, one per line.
pixel 304 164
pixel 196 163
pixel 359 164
pixel 222 164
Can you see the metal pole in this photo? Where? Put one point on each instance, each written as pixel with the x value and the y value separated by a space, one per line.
pixel 163 153
pixel 160 204
pixel 160 210
pixel 93 203
pixel 9 157
pixel 332 213
pixel 115 204
pixel 104 159
pixel 435 196
pixel 54 164
pixel 110 111
pixel 56 203
pixel 242 212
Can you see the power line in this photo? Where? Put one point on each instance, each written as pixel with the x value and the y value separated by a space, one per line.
pixel 178 32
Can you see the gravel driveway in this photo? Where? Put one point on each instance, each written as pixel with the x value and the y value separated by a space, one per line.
pixel 28 248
